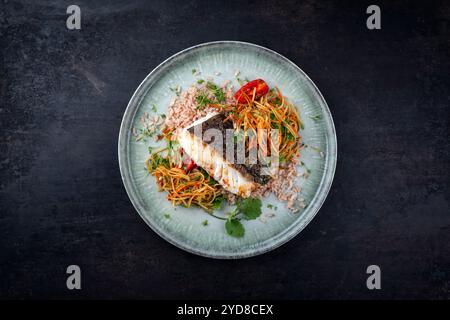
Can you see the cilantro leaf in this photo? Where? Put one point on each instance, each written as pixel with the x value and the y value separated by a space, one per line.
pixel 234 228
pixel 217 203
pixel 250 207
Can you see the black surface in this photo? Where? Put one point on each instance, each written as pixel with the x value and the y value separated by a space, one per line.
pixel 63 94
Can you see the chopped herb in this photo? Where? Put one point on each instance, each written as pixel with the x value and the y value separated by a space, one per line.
pixel 302 164
pixel 290 136
pixel 153 108
pixel 194 71
pixel 145 132
pixel 167 216
pixel 200 81
pixel 176 90
pixel 217 203
pixel 202 101
pixel 150 149
pixel 156 161
pixel 205 223
pixel 238 136
pixel 218 93
pixel 173 145
pixel 204 172
pixel 272 116
pixel 211 85
pixel 316 117
pixel 270 206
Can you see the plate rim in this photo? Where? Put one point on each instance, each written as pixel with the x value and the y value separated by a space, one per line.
pixel 278 240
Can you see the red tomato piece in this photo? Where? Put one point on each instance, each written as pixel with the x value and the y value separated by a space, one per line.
pixel 247 90
pixel 191 166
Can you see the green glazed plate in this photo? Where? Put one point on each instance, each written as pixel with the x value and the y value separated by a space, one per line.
pixel 184 227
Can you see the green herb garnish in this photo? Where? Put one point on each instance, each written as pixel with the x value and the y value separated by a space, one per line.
pixel 238 136
pixel 205 223
pixel 218 93
pixel 176 90
pixel 249 209
pixel 173 145
pixel 156 161
pixel 202 101
pixel 146 132
pixel 234 228
pixel 316 117
pixel 290 136
pixel 217 203
pixel 302 164
pixel 167 216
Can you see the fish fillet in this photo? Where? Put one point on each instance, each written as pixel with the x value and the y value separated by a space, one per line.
pixel 213 162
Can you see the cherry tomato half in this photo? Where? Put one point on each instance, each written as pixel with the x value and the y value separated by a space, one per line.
pixel 247 90
pixel 191 166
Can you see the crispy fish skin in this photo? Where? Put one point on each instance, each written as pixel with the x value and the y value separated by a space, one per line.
pixel 213 162
pixel 217 121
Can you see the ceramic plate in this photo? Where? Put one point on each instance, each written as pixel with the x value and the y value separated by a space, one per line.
pixel 183 227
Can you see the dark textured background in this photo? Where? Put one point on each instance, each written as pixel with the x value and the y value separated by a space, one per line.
pixel 63 94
